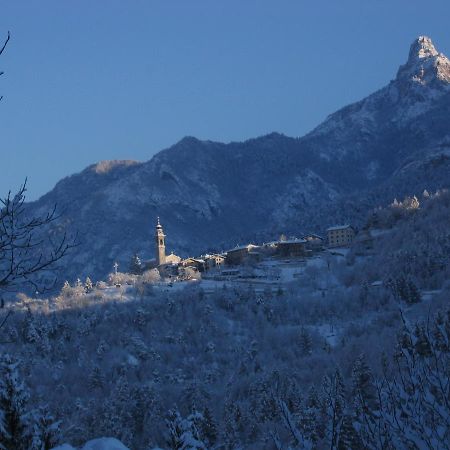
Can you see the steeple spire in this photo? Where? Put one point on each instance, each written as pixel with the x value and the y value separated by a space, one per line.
pixel 160 249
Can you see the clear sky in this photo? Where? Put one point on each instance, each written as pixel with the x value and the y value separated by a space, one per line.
pixel 92 80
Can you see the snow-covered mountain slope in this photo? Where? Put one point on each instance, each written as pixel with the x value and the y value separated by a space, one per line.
pixel 211 195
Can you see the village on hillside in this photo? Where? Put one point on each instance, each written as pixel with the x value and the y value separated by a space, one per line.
pixel 266 266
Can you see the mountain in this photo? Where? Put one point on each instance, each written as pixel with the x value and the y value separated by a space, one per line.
pixel 211 195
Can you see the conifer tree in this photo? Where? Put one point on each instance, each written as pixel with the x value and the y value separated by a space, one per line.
pixel 333 400
pixel 88 286
pixel 136 265
pixel 208 428
pixel 348 436
pixel 305 342
pixel 183 432
pixel 66 290
pixel 311 416
pixel 365 400
pixel 14 396
pixel 46 431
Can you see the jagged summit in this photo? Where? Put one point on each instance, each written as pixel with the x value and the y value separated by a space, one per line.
pixel 425 65
pixel 422 47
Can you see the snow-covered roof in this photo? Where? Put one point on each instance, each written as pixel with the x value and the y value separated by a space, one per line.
pixel 292 241
pixel 242 247
pixel 287 241
pixel 339 227
pixel 313 235
pixel 197 260
pixel 214 255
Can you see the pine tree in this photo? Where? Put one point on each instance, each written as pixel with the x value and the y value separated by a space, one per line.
pixel 412 293
pixel 365 400
pixel 305 342
pixel 29 328
pixel 136 265
pixel 14 396
pixel 46 432
pixel 88 286
pixel 348 436
pixel 310 416
pixel 66 290
pixel 96 379
pixel 208 428
pixel 333 400
pixel 183 433
pixel 422 344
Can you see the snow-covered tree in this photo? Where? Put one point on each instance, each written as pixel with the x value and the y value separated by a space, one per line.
pixel 14 418
pixel 88 286
pixel 333 400
pixel 365 403
pixel 183 433
pixel 46 430
pixel 136 265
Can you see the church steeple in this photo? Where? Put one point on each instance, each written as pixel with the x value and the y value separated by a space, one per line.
pixel 160 244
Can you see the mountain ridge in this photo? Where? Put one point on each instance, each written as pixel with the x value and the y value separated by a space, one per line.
pixel 210 195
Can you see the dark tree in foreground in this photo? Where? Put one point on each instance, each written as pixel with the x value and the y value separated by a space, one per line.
pixel 29 244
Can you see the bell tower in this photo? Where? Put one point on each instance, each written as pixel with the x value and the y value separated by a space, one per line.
pixel 160 245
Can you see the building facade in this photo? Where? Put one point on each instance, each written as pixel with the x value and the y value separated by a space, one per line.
pixel 340 236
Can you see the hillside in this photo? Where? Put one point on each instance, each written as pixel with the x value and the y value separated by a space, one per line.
pixel 211 195
pixel 239 368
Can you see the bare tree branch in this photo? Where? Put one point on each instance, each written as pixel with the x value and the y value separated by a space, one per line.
pixel 29 244
pixel 5 43
pixel 1 51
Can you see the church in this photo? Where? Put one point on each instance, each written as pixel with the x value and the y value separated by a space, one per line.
pixel 163 261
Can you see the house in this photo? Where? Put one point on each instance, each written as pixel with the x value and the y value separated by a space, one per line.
pixel 196 263
pixel 243 254
pixel 340 236
pixel 291 248
pixel 314 241
pixel 213 261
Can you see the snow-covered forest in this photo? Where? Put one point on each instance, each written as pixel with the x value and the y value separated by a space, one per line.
pixel 363 363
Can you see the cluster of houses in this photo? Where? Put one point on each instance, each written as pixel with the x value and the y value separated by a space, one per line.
pixel 173 265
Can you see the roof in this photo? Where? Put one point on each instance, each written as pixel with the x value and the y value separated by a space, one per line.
pixel 242 247
pixel 313 235
pixel 292 241
pixel 197 260
pixel 287 241
pixel 339 227
pixel 214 255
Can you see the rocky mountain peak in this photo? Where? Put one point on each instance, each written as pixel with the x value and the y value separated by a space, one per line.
pixel 422 47
pixel 425 65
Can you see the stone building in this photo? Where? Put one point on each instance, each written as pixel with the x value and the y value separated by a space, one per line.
pixel 195 263
pixel 213 261
pixel 291 248
pixel 340 236
pixel 314 241
pixel 244 254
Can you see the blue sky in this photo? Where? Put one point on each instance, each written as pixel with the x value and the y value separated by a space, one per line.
pixel 92 80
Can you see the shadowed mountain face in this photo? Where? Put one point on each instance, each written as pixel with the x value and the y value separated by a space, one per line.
pixel 211 195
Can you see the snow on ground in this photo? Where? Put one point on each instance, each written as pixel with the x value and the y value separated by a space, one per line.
pixel 103 443
pixel 329 333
